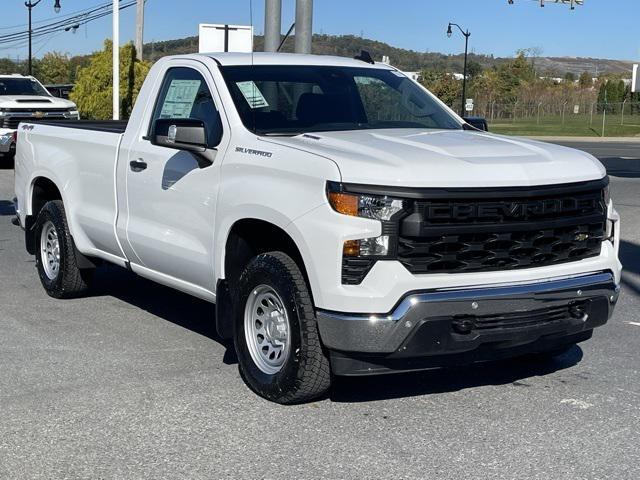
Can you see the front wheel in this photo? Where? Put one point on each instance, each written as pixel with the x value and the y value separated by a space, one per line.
pixel 276 336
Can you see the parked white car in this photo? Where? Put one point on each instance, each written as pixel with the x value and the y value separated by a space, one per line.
pixel 24 98
pixel 340 216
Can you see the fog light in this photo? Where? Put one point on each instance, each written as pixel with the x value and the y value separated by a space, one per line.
pixel 367 247
pixel 374 246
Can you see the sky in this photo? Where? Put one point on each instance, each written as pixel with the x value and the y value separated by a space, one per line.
pixel 599 29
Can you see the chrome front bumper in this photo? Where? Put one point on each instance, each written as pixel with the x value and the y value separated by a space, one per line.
pixel 6 142
pixel 460 320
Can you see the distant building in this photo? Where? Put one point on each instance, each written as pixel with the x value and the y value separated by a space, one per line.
pixel 415 76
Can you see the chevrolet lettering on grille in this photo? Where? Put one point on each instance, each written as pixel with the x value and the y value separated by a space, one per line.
pixel 513 210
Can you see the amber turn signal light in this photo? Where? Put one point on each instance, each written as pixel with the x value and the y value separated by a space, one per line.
pixel 344 203
pixel 351 248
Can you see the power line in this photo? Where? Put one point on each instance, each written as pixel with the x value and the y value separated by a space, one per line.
pixel 56 26
pixel 70 14
pixel 59 26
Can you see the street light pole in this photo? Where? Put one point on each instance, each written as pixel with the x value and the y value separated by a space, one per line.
pixel 116 59
pixel 466 52
pixel 30 4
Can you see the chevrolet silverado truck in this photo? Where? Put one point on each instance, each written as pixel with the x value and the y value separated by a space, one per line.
pixel 343 219
pixel 25 99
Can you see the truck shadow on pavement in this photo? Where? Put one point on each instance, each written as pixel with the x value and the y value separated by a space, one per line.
pixel 176 307
pixel 515 372
pixel 6 208
pixel 199 317
pixel 630 258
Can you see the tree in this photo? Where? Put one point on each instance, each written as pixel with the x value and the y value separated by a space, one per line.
pixel 94 87
pixel 602 92
pixel 55 67
pixel 444 86
pixel 474 69
pixel 585 81
pixel 7 66
pixel 570 77
pixel 522 69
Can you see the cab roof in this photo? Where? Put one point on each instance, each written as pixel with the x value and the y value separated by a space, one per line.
pixel 264 58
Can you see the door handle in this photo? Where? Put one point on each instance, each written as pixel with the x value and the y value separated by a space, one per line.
pixel 138 165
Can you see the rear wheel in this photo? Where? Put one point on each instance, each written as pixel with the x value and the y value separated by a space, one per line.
pixel 55 254
pixel 276 334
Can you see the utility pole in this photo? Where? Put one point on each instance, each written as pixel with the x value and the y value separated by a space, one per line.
pixel 139 29
pixel 272 25
pixel 116 59
pixel 304 26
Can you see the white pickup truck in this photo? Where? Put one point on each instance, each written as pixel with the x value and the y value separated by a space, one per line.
pixel 342 218
pixel 25 99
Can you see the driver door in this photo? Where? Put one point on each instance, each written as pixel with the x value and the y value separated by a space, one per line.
pixel 171 194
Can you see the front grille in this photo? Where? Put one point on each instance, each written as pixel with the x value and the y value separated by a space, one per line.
pixel 12 122
pixel 483 233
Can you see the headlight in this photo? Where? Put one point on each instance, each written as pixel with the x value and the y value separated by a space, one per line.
pixel 374 207
pixel 365 206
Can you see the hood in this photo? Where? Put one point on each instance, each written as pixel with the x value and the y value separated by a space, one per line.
pixel 446 158
pixel 34 101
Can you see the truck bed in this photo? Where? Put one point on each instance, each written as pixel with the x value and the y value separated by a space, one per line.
pixel 110 126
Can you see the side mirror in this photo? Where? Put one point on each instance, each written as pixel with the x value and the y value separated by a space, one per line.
pixel 181 134
pixel 478 123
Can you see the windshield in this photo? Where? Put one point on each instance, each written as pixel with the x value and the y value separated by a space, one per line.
pixel 298 99
pixel 21 86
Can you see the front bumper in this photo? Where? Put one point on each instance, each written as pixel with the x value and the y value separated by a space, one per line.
pixel 458 321
pixel 7 142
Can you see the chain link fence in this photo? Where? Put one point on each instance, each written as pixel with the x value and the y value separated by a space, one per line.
pixel 562 118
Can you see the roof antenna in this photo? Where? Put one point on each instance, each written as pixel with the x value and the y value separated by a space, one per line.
pixel 365 57
pixel 293 25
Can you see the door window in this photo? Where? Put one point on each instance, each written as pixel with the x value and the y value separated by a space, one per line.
pixel 185 94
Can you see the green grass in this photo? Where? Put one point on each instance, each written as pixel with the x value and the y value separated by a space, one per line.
pixel 574 126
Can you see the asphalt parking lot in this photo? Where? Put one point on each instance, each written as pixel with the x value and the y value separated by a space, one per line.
pixel 133 383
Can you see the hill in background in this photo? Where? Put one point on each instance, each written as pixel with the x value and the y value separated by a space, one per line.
pixel 409 60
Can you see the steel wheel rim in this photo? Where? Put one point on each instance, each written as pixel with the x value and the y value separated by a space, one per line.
pixel 267 329
pixel 50 249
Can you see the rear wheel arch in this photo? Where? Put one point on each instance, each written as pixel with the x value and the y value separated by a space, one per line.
pixel 42 190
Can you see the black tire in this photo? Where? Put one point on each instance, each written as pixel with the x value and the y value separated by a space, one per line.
pixel 70 281
pixel 306 373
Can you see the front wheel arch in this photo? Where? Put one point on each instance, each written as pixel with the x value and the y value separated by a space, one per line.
pixel 247 239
